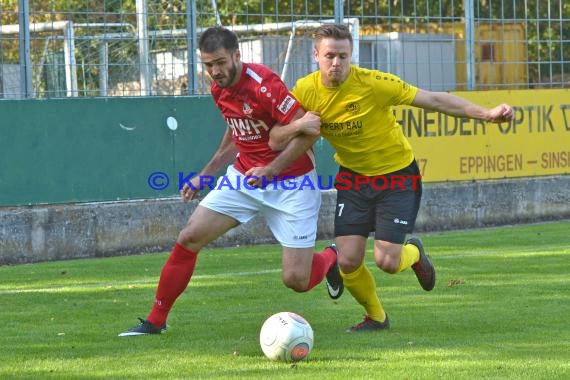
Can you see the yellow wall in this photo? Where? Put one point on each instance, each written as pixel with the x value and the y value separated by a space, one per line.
pixel 536 143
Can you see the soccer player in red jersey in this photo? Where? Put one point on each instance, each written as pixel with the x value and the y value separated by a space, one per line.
pixel 252 100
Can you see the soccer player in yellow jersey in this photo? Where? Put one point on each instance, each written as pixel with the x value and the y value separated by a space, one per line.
pixel 379 184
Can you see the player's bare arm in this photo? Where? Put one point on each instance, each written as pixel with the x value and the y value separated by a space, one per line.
pixel 225 153
pixel 296 145
pixel 304 123
pixel 294 149
pixel 459 107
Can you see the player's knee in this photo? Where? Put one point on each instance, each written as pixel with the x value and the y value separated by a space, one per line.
pixel 388 268
pixel 188 238
pixel 387 256
pixel 348 265
pixel 387 265
pixel 294 282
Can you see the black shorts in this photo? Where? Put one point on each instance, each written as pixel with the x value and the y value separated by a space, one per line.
pixel 386 205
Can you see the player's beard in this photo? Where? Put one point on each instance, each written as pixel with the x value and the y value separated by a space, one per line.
pixel 228 79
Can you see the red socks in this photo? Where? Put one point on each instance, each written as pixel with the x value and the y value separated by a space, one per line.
pixel 174 279
pixel 322 262
pixel 179 268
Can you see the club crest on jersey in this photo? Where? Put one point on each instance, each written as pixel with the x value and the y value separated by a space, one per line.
pixel 286 105
pixel 247 110
pixel 353 108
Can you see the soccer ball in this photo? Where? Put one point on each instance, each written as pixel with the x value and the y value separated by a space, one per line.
pixel 286 336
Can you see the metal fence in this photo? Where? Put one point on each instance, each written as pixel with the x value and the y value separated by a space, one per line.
pixel 79 48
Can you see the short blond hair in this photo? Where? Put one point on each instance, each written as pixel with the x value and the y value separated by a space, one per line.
pixel 335 31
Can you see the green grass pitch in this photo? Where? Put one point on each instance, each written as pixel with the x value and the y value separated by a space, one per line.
pixel 500 310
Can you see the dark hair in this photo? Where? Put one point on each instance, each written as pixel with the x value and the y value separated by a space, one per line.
pixel 336 31
pixel 218 37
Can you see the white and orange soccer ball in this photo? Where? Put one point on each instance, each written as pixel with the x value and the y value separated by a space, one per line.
pixel 287 337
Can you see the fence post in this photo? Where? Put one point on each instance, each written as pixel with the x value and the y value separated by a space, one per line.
pixel 103 67
pixel 470 43
pixel 145 74
pixel 25 60
pixel 191 40
pixel 338 11
pixel 70 62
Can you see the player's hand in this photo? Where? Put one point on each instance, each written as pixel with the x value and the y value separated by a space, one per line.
pixel 311 123
pixel 501 113
pixel 190 192
pixel 260 176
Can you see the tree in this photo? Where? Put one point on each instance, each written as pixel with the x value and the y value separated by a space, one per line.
pixel 547 24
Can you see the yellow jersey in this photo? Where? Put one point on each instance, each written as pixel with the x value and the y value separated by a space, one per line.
pixel 357 118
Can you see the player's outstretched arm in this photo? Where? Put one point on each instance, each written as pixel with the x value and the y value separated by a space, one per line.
pixel 456 106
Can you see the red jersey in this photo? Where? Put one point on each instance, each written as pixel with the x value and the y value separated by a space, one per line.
pixel 251 108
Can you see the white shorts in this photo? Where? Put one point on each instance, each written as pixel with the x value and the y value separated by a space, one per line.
pixel 290 210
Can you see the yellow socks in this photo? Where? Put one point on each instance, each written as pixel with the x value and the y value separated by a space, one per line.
pixel 410 256
pixel 362 286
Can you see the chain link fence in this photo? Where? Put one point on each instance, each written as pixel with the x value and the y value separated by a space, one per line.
pixel 86 48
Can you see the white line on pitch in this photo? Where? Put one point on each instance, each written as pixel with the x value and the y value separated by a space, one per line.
pixel 56 289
